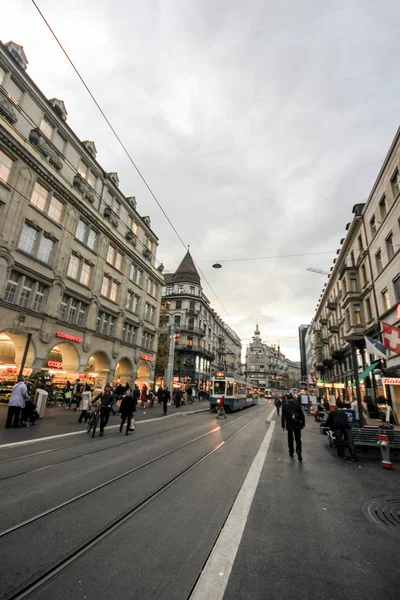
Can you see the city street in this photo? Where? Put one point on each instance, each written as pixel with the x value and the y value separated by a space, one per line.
pixel 139 516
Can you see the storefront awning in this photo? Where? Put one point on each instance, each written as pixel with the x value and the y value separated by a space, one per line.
pixel 367 371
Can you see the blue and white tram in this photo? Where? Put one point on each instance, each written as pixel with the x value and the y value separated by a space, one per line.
pixel 238 393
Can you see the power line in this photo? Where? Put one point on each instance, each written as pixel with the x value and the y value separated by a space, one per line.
pixel 123 146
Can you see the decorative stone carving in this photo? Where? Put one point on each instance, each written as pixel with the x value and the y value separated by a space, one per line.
pixel 115 353
pixel 18 54
pixel 90 147
pixel 45 337
pixel 84 188
pixel 131 238
pixel 146 253
pixel 111 216
pixel 86 346
pixel 113 177
pixel 45 147
pixel 161 268
pixel 7 109
pixel 59 108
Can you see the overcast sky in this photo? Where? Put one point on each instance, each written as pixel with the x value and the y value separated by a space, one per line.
pixel 258 124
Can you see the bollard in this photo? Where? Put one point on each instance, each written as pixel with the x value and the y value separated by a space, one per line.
pixel 383 443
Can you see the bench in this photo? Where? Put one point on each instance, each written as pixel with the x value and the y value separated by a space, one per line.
pixel 368 437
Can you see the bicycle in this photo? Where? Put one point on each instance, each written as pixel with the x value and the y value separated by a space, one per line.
pixel 94 419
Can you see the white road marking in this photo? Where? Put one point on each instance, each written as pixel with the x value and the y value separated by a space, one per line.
pixel 215 576
pixel 61 435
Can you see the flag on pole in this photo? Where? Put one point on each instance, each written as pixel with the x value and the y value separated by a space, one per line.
pixel 391 337
pixel 374 347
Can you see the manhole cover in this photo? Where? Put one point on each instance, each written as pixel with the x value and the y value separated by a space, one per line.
pixel 385 513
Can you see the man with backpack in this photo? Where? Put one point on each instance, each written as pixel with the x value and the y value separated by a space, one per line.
pixel 293 422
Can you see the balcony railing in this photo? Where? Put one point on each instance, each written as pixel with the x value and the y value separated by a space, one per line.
pixel 333 328
pixel 111 216
pixel 323 320
pixel 194 330
pixel 332 304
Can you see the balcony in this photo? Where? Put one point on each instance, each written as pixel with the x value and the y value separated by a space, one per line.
pixel 332 304
pixel 7 109
pixel 84 188
pixel 319 364
pixel 325 339
pixel 192 330
pixel 46 148
pixel 328 362
pixel 333 328
pixel 323 320
pixel 338 353
pixel 351 295
pixel 111 216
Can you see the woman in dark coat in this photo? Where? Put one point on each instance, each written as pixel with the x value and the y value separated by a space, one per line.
pixel 127 408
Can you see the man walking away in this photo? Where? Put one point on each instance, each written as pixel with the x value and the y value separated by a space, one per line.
pixel 278 405
pixel 165 398
pixel 16 403
pixel 338 422
pixel 293 422
pixel 106 398
pixel 127 408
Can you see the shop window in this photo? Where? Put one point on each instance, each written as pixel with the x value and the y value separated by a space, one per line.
pixel 105 324
pixel 25 292
pixel 6 164
pixel 129 332
pixel 43 199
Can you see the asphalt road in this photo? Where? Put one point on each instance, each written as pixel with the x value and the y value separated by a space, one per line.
pixel 164 494
pixel 162 547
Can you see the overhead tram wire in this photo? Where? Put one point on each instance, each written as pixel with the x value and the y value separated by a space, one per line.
pixel 126 151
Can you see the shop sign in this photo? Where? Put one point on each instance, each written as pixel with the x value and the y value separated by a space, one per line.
pixel 70 338
pixel 55 364
pixel 338 386
pixel 146 357
pixel 391 380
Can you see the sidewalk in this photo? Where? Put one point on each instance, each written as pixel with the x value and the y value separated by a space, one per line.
pixel 307 533
pixel 58 421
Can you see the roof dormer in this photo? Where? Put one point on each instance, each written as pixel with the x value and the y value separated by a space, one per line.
pixel 91 148
pixel 114 178
pixel 59 107
pixel 18 54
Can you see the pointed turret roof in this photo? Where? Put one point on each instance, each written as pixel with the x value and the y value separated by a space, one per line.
pixel 257 331
pixel 187 272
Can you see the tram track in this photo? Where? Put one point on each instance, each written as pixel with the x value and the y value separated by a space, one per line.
pixel 86 443
pixel 34 583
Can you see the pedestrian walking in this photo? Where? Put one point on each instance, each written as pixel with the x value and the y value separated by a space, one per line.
pixel 106 398
pixel 143 397
pixel 278 405
pixel 178 398
pixel 16 403
pixel 76 395
pixel 85 403
pixel 338 422
pixel 159 395
pixel 293 422
pixel 151 398
pixel 67 393
pixel 165 398
pixel 127 408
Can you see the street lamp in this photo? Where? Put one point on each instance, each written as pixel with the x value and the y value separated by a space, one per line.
pixel 217 265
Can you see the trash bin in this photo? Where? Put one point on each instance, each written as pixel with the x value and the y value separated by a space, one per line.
pixel 41 401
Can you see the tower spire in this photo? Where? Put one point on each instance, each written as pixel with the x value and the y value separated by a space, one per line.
pixel 257 331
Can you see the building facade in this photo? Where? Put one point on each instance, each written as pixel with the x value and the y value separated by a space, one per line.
pixel 363 289
pixel 204 344
pixel 77 261
pixel 267 367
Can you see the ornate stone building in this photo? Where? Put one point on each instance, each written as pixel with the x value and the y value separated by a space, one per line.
pixel 77 261
pixel 204 343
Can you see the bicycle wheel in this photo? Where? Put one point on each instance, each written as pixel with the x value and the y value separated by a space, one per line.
pixel 95 422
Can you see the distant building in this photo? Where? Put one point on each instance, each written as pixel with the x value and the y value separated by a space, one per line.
pixel 204 343
pixel 267 366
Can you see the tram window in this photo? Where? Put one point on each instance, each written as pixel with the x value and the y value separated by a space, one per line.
pixel 242 389
pixel 219 387
pixel 229 388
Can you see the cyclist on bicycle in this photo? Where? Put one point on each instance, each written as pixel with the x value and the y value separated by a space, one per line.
pixel 106 399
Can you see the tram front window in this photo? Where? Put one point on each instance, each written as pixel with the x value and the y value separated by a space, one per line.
pixel 219 388
pixel 229 388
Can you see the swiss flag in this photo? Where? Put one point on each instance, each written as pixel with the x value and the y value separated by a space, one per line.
pixel 391 337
